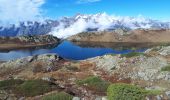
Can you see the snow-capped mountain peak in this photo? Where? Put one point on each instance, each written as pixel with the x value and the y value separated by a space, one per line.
pixel 68 26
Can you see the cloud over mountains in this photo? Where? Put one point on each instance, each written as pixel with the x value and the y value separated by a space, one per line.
pixel 102 21
pixel 13 11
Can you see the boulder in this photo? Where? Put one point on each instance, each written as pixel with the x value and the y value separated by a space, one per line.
pixel 106 62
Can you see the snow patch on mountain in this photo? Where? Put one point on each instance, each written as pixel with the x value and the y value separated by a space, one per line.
pixel 102 21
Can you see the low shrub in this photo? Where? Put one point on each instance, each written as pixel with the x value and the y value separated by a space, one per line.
pixel 58 96
pixel 121 91
pixel 33 88
pixel 166 68
pixel 95 83
pixel 132 54
pixel 8 84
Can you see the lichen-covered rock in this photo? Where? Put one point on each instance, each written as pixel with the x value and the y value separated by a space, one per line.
pixel 35 64
pixel 148 69
pixel 165 51
pixel 107 62
pixel 49 57
pixel 76 98
pixel 3 95
pixel 39 39
pixel 168 94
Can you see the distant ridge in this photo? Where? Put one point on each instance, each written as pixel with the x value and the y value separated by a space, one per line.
pixel 68 26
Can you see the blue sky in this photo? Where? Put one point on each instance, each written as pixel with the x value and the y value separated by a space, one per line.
pixel 13 11
pixel 159 9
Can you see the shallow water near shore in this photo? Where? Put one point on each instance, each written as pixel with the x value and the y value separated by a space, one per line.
pixel 69 50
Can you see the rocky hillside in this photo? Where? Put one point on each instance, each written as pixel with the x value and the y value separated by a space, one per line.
pixel 8 43
pixel 119 35
pixel 144 75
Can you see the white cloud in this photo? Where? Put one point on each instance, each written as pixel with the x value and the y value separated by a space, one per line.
pixel 100 21
pixel 63 32
pixel 14 11
pixel 87 1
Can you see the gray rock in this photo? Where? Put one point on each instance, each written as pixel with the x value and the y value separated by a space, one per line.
pixel 122 31
pixel 168 94
pixel 148 69
pixel 40 63
pixel 76 98
pixel 50 79
pixel 98 98
pixel 107 62
pixel 158 97
pixel 3 95
pixel 104 98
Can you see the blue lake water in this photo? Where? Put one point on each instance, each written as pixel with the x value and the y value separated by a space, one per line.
pixel 66 50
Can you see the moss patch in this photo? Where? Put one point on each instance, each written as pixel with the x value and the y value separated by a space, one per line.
pixel 58 96
pixel 166 68
pixel 33 88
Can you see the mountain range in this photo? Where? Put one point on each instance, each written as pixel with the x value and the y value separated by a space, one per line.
pixel 68 26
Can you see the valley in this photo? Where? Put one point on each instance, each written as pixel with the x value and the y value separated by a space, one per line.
pixel 50 74
pixel 86 57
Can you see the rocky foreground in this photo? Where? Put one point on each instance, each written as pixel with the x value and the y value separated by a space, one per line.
pixel 122 35
pixel 48 76
pixel 21 42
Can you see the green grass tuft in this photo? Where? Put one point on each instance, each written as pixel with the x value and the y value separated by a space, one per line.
pixel 132 54
pixel 94 83
pixel 8 84
pixel 166 68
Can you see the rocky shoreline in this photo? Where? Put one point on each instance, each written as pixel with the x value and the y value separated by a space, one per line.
pixel 24 42
pixel 149 71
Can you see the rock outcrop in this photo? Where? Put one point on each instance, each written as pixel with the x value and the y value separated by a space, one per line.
pixel 9 43
pixel 34 64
